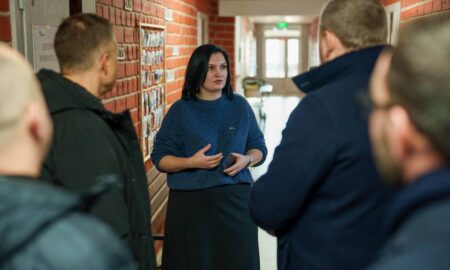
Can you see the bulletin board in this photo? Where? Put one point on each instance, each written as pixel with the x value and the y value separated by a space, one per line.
pixel 152 76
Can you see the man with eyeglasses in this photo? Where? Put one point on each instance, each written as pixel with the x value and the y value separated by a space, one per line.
pixel 410 132
pixel 322 195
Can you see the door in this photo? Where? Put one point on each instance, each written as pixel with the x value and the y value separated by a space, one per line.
pixel 35 23
pixel 281 59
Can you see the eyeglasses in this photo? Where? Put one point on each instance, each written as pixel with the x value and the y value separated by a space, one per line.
pixel 366 104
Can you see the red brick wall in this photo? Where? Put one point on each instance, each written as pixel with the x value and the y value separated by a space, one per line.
pixel 412 9
pixel 222 30
pixel 5 22
pixel 180 32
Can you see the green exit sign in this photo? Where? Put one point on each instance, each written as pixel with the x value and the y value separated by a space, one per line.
pixel 282 25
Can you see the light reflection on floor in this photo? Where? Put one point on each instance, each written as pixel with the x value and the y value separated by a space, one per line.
pixel 277 110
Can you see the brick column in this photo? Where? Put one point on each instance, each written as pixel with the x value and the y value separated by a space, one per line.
pixel 5 22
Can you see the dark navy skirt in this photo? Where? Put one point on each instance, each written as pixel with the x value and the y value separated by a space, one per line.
pixel 210 229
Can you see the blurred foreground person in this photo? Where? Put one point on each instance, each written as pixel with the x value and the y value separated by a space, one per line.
pixel 42 227
pixel 410 132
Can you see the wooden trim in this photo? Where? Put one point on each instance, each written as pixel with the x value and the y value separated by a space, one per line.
pixel 152 174
pixel 159 198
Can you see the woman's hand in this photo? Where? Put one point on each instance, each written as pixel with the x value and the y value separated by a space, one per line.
pixel 242 161
pixel 201 161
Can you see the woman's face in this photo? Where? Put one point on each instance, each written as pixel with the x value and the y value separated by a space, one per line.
pixel 216 76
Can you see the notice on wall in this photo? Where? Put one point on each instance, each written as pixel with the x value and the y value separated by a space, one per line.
pixel 43 52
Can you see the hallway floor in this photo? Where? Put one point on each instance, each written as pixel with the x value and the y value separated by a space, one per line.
pixel 277 110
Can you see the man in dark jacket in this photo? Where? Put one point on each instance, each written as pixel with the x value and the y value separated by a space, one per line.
pixel 410 131
pixel 42 227
pixel 322 196
pixel 90 141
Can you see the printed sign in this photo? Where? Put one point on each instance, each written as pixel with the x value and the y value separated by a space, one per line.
pixel 43 51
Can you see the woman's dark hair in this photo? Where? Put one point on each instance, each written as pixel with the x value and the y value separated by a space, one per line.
pixel 197 69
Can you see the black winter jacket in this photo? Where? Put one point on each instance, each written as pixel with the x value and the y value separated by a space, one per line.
pixel 90 141
pixel 45 228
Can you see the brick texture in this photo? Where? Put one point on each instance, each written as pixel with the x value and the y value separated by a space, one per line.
pixel 181 32
pixel 5 29
pixel 4 5
pixel 413 9
pixel 222 31
pixel 5 22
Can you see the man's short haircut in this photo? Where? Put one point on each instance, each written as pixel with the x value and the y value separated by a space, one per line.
pixel 78 38
pixel 18 88
pixel 357 23
pixel 419 78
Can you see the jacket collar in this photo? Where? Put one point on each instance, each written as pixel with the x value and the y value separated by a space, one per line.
pixel 430 188
pixel 62 94
pixel 330 71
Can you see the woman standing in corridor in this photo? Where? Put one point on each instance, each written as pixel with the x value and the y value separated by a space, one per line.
pixel 207 141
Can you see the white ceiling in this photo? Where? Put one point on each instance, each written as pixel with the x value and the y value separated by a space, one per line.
pixel 275 19
pixel 270 7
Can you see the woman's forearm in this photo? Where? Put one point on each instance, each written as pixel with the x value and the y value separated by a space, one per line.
pixel 174 164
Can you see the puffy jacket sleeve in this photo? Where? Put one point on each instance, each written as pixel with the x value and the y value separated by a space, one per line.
pixel 78 241
pixel 304 157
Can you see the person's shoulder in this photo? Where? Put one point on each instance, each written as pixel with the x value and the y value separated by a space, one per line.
pixel 315 101
pixel 180 104
pixel 75 114
pixel 239 98
pixel 240 101
pixel 47 197
pixel 80 239
pixel 432 216
pixel 78 120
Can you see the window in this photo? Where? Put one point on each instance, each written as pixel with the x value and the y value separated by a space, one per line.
pixel 282 53
pixel 293 56
pixel 275 58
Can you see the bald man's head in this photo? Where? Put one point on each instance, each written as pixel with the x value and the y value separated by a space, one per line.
pixel 19 93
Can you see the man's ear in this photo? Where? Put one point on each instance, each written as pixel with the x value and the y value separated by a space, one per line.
pixel 104 63
pixel 330 43
pixel 38 123
pixel 32 121
pixel 402 133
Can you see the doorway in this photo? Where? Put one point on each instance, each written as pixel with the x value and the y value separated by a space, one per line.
pixel 281 58
pixel 34 25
